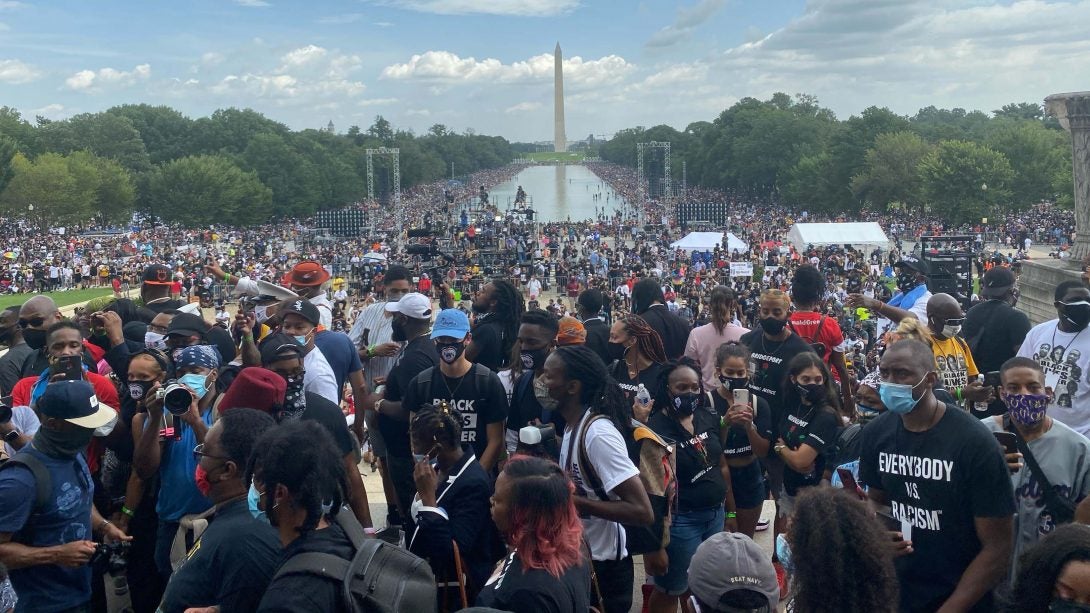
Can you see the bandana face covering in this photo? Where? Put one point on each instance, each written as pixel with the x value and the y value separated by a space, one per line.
pixel 295 401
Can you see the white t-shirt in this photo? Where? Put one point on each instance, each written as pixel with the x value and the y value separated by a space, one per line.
pixel 607 453
pixel 919 308
pixel 1065 357
pixel 25 421
pixel 319 377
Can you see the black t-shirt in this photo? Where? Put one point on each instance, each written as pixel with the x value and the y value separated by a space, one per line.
pixel 488 337
pixel 418 355
pixel 673 330
pixel 230 565
pixel 700 482
pixel 304 592
pixel 478 395
pixel 939 481
pixel 994 332
pixel 768 365
pixel 520 590
pixel 629 386
pixel 815 426
pixel 327 413
pixel 737 443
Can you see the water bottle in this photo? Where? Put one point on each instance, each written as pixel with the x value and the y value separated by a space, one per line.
pixel 642 395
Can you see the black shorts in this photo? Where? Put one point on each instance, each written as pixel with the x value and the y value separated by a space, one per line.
pixel 748 485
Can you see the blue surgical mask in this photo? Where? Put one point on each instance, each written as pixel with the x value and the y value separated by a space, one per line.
pixel 783 552
pixel 897 397
pixel 253 500
pixel 302 340
pixel 196 383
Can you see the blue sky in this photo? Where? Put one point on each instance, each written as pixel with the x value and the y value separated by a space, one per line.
pixel 486 65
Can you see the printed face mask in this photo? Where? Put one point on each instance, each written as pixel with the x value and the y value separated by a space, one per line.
pixel 532 360
pixel 154 340
pixel 897 397
pixel 541 393
pixel 686 404
pixel 450 352
pixel 1026 409
pixel 734 383
pixel 138 389
pixel 906 281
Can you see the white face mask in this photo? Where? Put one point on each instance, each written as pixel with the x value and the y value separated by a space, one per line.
pixel 951 331
pixel 154 340
pixel 261 313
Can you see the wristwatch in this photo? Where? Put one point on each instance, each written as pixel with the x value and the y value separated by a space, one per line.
pixel 378 405
pixel 12 436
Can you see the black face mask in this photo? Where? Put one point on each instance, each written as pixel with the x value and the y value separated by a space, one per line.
pixel 616 351
pixel 1077 315
pixel 398 333
pixel 35 339
pixel 906 281
pixel 450 353
pixel 773 326
pixel 735 383
pixel 532 360
pixel 139 389
pixel 686 404
pixel 814 393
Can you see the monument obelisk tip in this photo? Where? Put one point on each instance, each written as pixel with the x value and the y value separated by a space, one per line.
pixel 560 139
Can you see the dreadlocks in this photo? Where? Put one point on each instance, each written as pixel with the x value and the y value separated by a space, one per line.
pixel 508 311
pixel 647 339
pixel 599 391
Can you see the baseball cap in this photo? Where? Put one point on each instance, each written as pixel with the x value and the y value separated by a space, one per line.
pixel 304 309
pixel 415 305
pixel 76 403
pixel 727 562
pixel 157 274
pixel 307 273
pixel 187 324
pixel 450 322
pixel 571 332
pixel 279 346
pixel 254 388
pixel 915 263
pixel 996 282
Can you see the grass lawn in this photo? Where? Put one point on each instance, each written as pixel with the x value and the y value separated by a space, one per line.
pixel 62 299
pixel 550 156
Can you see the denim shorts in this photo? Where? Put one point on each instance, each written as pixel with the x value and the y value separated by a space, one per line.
pixel 687 532
pixel 748 485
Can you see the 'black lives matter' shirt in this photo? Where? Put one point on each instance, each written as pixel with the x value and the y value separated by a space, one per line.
pixel 700 482
pixel 815 426
pixel 768 365
pixel 481 400
pixel 938 481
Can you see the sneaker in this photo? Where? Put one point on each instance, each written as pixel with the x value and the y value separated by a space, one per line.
pixel 762 524
pixel 781 579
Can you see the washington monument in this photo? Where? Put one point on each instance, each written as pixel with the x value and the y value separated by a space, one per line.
pixel 560 141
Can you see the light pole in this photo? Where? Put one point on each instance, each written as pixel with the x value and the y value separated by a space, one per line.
pixel 984 196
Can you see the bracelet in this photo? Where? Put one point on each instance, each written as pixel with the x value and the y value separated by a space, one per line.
pixel 127 511
pixel 226 277
pixel 957 393
pixel 103 525
pixel 248 338
pixel 732 515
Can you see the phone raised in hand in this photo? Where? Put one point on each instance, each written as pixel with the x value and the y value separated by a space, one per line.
pixel 991 379
pixel 847 479
pixel 71 366
pixel 1009 440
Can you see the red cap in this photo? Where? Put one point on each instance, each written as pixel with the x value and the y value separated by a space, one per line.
pixel 255 388
pixel 305 274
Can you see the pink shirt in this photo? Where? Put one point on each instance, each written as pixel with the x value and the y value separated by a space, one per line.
pixel 703 342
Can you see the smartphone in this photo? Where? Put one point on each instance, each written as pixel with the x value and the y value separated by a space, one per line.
pixel 1009 440
pixel 888 521
pixel 991 379
pixel 847 479
pixel 741 396
pixel 71 366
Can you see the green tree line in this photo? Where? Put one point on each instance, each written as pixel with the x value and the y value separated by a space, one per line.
pixel 235 166
pixel 961 165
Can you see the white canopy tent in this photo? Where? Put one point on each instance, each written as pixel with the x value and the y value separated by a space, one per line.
pixel 802 235
pixel 708 241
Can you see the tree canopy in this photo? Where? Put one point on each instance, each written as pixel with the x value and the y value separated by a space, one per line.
pixel 154 159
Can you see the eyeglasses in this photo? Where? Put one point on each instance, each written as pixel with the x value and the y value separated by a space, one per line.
pixel 36 322
pixel 198 452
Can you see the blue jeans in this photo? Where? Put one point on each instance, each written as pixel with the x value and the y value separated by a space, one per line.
pixel 687 532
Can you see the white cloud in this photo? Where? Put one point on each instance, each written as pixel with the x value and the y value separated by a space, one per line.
pixel 301 57
pixel 10 5
pixel 50 111
pixel 383 24
pixel 516 8
pixel 212 58
pixel 418 113
pixel 523 107
pixel 377 101
pixel 16 72
pixel 688 19
pixel 340 19
pixel 252 3
pixel 445 66
pixel 89 80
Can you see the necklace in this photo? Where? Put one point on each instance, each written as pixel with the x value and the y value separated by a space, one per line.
pixel 1057 329
pixel 764 346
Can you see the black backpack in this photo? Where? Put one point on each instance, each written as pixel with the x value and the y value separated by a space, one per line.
pixel 43 491
pixel 380 578
pixel 423 381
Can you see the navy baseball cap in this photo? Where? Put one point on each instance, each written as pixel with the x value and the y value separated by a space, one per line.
pixel 76 403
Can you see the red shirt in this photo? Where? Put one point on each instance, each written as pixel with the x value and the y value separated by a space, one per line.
pixel 805 324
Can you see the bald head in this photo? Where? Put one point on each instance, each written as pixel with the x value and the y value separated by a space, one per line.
pixel 40 312
pixel 943 309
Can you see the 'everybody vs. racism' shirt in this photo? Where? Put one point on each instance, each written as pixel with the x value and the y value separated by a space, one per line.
pixel 938 481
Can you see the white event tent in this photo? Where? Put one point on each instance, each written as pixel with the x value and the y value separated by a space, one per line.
pixel 868 233
pixel 708 241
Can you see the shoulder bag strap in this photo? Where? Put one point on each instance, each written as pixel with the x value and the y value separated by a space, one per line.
pixel 1050 494
pixel 586 469
pixel 311 563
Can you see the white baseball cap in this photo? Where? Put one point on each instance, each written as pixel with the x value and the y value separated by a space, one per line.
pixel 415 305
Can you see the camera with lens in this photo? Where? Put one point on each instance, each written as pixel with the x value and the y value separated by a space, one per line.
pixel 110 557
pixel 175 396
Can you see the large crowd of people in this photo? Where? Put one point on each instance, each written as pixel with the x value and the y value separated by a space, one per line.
pixel 544 402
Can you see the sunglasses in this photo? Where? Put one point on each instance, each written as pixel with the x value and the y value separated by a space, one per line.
pixel 36 322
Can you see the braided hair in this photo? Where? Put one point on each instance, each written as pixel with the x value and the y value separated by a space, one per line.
pixel 647 338
pixel 440 423
pixel 301 456
pixel 599 391
pixel 508 310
